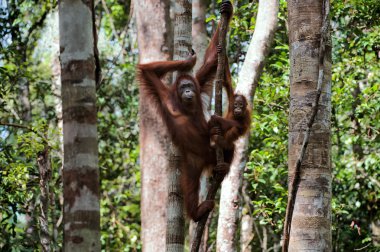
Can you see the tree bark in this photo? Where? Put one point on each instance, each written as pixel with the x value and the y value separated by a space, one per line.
pixel 200 43
pixel 155 43
pixel 246 233
pixel 375 229
pixel 311 221
pixel 26 106
pixel 56 90
pixel 199 32
pixel 247 221
pixel 80 166
pixel 248 80
pixel 175 234
pixel 43 161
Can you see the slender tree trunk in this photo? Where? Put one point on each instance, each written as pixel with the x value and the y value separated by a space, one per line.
pixel 199 32
pixel 248 80
pixel 24 86
pixel 80 172
pixel 264 245
pixel 247 221
pixel 30 224
pixel 182 29
pixel 311 222
pixel 43 160
pixel 206 233
pixel 200 43
pixel 155 42
pixel 356 127
pixel 56 90
pixel 246 233
pixel 175 233
pixel 175 222
pixel 375 229
pixel 26 106
pixel 26 116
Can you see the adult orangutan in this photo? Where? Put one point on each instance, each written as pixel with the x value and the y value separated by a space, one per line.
pixel 181 109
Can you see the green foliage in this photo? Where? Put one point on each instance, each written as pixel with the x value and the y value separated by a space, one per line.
pixel 25 62
pixel 19 181
pixel 241 30
pixel 20 30
pixel 356 118
pixel 118 135
pixel 355 188
pixel 266 171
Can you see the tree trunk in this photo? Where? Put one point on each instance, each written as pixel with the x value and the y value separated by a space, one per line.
pixel 199 32
pixel 56 90
pixel 175 234
pixel 26 106
pixel 247 221
pixel 24 86
pixel 311 222
pixel 246 233
pixel 248 79
pixel 155 43
pixel 375 229
pixel 43 161
pixel 80 172
pixel 200 43
pixel 30 224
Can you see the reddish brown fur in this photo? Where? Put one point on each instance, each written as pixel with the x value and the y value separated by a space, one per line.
pixel 232 127
pixel 226 130
pixel 185 122
pixel 186 125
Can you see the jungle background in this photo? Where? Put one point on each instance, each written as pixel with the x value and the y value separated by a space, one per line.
pixel 30 96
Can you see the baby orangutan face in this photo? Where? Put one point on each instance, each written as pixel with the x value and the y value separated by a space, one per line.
pixel 240 105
